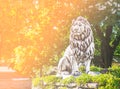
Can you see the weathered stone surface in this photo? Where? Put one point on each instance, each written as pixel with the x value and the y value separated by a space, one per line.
pixel 75 86
pixel 94 73
pixel 91 85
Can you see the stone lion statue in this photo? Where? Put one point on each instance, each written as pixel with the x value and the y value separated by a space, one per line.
pixel 80 51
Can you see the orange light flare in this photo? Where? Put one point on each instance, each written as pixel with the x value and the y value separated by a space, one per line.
pixel 52 17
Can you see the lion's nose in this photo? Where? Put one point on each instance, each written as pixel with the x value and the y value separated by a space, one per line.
pixel 75 30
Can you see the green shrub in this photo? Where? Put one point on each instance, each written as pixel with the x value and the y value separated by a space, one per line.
pixel 82 69
pixel 106 81
pixel 68 80
pixel 95 68
pixel 50 79
pixel 84 78
pixel 36 81
pixel 49 87
pixel 110 80
pixel 115 71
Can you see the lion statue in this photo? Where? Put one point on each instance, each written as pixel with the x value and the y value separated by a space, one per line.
pixel 80 51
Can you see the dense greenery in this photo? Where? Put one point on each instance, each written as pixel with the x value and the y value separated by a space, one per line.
pixel 110 80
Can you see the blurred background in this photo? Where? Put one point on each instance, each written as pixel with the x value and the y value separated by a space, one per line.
pixel 35 33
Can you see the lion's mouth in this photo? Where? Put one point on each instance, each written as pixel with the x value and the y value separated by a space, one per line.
pixel 77 36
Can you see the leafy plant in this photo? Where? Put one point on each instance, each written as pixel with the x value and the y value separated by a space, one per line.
pixel 95 68
pixel 36 81
pixel 82 69
pixel 110 80
pixel 115 71
pixel 49 87
pixel 50 79
pixel 68 80
pixel 106 81
pixel 84 78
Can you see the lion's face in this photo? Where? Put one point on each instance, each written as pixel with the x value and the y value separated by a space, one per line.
pixel 79 29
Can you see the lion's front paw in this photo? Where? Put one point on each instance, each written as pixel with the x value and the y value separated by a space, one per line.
pixel 76 73
pixel 65 73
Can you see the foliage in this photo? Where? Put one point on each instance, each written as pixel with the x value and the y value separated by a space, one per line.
pixel 36 81
pixel 49 87
pixel 33 34
pixel 84 78
pixel 50 79
pixel 82 69
pixel 110 80
pixel 117 52
pixel 115 71
pixel 94 68
pixel 68 80
pixel 107 81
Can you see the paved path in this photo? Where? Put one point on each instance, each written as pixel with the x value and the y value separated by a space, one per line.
pixel 10 79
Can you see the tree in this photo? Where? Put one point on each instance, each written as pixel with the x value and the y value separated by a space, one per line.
pixel 108 29
pixel 104 16
pixel 34 33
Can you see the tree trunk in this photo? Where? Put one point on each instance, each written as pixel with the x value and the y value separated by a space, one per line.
pixel 106 50
pixel 106 54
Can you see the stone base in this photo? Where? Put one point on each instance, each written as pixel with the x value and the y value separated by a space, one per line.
pixel 74 86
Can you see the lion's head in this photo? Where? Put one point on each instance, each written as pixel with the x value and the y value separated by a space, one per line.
pixel 79 29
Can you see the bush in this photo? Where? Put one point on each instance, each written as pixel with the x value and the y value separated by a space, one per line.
pixel 50 79
pixel 84 78
pixel 115 70
pixel 96 69
pixel 68 80
pixel 36 81
pixel 110 80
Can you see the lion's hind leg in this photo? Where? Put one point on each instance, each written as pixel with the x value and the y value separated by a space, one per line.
pixel 64 66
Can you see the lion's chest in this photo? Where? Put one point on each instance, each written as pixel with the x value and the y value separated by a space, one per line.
pixel 82 49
